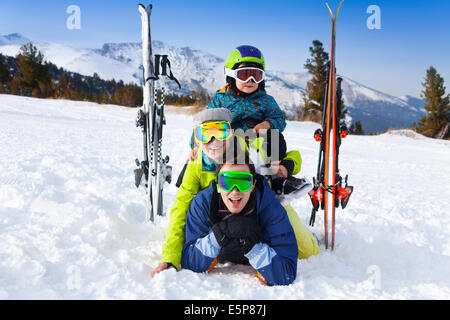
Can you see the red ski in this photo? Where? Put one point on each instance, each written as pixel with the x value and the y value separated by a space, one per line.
pixel 328 191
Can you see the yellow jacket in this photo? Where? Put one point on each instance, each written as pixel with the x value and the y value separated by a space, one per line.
pixel 195 179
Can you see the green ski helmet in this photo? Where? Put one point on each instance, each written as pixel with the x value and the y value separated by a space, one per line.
pixel 245 53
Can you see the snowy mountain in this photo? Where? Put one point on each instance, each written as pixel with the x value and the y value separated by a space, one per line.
pixel 414 102
pixel 196 70
pixel 201 71
pixel 13 38
pixel 378 111
pixel 72 223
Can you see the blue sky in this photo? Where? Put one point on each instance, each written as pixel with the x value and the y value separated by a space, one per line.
pixel 393 59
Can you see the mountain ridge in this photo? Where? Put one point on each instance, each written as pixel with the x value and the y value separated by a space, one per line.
pixel 201 71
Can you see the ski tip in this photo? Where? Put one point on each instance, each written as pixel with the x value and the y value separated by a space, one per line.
pixel 339 7
pixel 337 10
pixel 340 4
pixel 143 7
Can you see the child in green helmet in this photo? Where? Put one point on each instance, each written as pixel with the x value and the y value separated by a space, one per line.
pixel 253 109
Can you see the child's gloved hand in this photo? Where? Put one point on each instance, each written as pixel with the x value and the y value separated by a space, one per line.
pixel 262 127
pixel 278 169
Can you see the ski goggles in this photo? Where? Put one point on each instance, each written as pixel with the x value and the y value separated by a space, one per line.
pixel 221 130
pixel 227 180
pixel 246 74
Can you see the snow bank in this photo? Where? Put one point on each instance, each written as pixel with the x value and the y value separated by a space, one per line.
pixel 72 222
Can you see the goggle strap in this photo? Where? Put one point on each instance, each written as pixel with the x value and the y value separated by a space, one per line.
pixel 233 73
pixel 229 72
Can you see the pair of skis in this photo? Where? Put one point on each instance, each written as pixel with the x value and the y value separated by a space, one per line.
pixel 150 119
pixel 328 189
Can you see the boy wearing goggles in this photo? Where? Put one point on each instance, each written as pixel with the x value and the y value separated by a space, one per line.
pixel 245 96
pixel 252 108
pixel 242 222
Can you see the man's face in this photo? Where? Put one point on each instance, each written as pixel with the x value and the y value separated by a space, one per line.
pixel 235 200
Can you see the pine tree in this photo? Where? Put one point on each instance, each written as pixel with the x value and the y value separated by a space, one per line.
pixel 356 128
pixel 36 77
pixel 45 89
pixel 129 95
pixel 201 98
pixel 437 105
pixel 105 99
pixel 62 89
pixel 341 105
pixel 314 97
pixel 4 73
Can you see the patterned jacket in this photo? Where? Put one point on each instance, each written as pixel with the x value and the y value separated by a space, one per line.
pixel 251 110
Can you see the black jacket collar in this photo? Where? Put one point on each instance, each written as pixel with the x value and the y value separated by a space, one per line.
pixel 216 203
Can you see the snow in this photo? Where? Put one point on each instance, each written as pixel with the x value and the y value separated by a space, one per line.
pixel 72 223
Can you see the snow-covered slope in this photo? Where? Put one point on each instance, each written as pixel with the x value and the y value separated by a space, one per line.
pixel 72 222
pixel 201 71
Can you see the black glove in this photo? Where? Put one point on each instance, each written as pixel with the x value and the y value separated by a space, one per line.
pixel 248 243
pixel 237 226
pixel 220 232
pixel 232 252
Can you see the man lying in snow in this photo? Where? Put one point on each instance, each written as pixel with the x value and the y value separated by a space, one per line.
pixel 238 219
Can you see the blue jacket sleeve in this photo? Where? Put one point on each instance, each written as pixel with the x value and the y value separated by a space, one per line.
pixel 200 246
pixel 274 115
pixel 276 257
